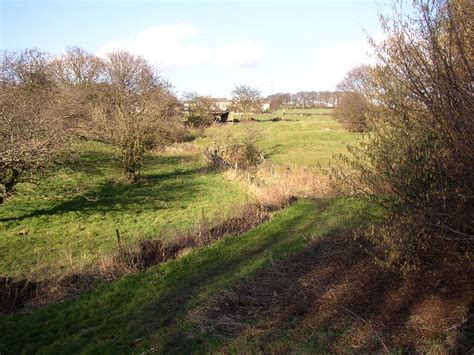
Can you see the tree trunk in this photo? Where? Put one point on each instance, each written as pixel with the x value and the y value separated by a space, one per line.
pixel 9 180
pixel 130 175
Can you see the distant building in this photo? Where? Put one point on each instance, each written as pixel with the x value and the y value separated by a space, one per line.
pixel 265 105
pixel 222 103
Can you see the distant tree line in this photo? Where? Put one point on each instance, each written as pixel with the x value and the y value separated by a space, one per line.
pixel 304 99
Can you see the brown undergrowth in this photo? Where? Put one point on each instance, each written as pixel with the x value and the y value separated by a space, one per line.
pixel 275 186
pixel 332 298
pixel 16 295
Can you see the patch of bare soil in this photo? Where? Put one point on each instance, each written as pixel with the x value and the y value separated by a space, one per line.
pixel 332 297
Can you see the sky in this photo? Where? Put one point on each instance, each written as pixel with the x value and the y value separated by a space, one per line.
pixel 208 47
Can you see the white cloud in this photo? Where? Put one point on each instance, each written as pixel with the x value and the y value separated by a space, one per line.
pixel 335 61
pixel 169 48
pixel 331 64
pixel 240 54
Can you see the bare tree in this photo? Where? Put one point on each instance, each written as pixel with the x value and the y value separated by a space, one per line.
pixel 246 99
pixel 31 131
pixel 201 110
pixel 301 99
pixel 133 110
pixel 78 67
pixel 79 76
pixel 353 106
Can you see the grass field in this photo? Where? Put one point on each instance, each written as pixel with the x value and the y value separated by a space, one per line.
pixel 301 140
pixel 297 283
pixel 68 218
pixel 151 310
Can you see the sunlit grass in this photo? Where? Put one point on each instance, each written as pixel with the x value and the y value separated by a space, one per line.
pixel 300 140
pixel 149 310
pixel 69 217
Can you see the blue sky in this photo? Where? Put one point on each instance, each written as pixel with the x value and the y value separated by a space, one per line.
pixel 208 47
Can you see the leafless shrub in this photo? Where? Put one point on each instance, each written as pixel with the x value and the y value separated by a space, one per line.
pixel 351 112
pixel 353 105
pixel 417 163
pixel 133 109
pixel 238 153
pixel 31 129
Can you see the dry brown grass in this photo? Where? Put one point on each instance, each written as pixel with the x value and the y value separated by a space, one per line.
pixel 275 186
pixel 334 287
pixel 180 148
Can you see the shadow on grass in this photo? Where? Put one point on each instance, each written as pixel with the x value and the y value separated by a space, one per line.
pixel 271 121
pixel 273 150
pixel 148 310
pixel 150 193
pixel 331 298
pixel 94 161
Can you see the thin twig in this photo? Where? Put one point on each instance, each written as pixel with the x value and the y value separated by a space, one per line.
pixel 363 320
pixel 457 325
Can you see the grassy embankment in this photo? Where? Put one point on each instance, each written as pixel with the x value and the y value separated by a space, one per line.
pixel 68 219
pixel 151 310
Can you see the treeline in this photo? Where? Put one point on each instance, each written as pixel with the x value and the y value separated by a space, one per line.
pixel 350 105
pixel 304 99
pixel 45 102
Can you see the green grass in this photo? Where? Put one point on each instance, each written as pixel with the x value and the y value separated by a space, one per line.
pixel 316 111
pixel 149 309
pixel 69 217
pixel 309 141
